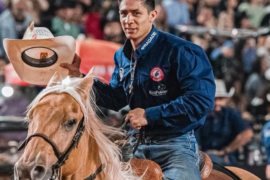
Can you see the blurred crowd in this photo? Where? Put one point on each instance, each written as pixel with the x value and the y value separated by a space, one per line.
pixel 243 63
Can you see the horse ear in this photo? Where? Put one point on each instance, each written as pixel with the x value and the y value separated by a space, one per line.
pixel 56 79
pixel 86 85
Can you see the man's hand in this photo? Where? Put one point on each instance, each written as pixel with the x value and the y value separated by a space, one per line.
pixel 137 118
pixel 74 68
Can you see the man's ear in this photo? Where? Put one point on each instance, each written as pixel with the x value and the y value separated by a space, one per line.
pixel 153 15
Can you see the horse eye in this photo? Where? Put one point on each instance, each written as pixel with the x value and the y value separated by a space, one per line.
pixel 71 123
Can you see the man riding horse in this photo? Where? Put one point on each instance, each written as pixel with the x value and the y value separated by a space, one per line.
pixel 163 119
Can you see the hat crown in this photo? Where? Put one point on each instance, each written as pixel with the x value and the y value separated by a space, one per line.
pixel 221 90
pixel 37 32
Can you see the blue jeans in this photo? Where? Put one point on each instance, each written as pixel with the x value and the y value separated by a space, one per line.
pixel 177 156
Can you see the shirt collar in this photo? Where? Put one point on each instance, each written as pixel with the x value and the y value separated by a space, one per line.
pixel 144 46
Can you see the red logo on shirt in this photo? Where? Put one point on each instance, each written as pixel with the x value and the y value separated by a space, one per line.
pixel 156 74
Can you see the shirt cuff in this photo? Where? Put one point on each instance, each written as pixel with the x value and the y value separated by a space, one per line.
pixel 153 114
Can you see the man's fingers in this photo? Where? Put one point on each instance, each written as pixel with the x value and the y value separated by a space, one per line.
pixel 67 66
pixel 127 117
pixel 76 61
pixel 73 71
pixel 134 126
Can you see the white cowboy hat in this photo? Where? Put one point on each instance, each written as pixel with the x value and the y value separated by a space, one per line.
pixel 39 54
pixel 221 90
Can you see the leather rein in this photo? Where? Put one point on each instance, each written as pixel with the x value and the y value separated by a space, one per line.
pixel 62 157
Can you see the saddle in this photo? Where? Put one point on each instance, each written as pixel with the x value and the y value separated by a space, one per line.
pixel 205 165
pixel 151 170
pixel 141 165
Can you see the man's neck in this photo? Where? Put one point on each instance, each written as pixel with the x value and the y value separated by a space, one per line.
pixel 136 42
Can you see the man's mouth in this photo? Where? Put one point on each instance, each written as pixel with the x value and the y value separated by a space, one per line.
pixel 130 30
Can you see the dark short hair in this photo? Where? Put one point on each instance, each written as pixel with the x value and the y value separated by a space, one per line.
pixel 149 4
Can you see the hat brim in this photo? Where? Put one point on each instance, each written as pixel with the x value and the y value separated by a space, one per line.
pixel 63 46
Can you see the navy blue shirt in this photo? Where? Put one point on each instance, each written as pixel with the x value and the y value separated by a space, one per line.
pixel 266 140
pixel 173 82
pixel 220 129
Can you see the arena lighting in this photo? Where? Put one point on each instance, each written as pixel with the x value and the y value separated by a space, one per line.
pixel 268 97
pixel 7 91
pixel 213 31
pixel 234 32
pixel 267 74
pixel 184 28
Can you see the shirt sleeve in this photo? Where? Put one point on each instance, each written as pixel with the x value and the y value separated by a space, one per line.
pixel 195 79
pixel 266 140
pixel 112 95
pixel 239 124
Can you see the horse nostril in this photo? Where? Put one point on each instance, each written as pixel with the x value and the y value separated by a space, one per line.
pixel 38 172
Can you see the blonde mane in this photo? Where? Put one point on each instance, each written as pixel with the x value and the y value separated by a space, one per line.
pixel 109 152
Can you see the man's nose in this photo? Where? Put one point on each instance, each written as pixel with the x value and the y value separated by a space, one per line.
pixel 129 19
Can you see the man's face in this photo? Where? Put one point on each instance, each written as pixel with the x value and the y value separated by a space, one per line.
pixel 136 21
pixel 18 8
pixel 219 103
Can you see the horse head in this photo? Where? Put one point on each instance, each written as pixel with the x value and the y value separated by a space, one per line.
pixel 65 137
pixel 54 117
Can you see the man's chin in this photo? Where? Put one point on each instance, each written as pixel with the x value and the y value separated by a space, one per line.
pixel 130 36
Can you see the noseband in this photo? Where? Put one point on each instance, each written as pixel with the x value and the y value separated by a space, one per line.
pixel 62 157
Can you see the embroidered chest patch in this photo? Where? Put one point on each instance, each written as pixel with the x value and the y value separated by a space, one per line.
pixel 156 74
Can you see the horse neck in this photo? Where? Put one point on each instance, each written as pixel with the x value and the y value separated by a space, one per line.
pixel 89 159
pixel 93 160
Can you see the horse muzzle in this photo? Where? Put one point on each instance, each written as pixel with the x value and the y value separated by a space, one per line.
pixel 31 171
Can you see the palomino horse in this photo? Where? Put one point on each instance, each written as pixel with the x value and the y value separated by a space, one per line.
pixel 67 141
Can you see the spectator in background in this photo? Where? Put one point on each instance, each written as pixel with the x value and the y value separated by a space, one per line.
pixel 225 21
pixel 242 21
pixel 16 105
pixel 78 17
pixel 161 20
pixel 206 17
pixel 62 22
pixel 224 130
pixel 112 28
pixel 266 19
pixel 213 4
pixel 227 13
pixel 226 66
pixel 260 105
pixel 3 64
pixel 14 22
pixel 255 11
pixel 177 13
pixel 229 6
pixel 257 77
pixel 265 133
pixel 35 8
pixel 93 21
pixel 266 142
pixel 249 55
pixel 202 41
pixel 193 6
pixel 2 6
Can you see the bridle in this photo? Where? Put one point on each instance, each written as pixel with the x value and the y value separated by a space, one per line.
pixel 62 157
